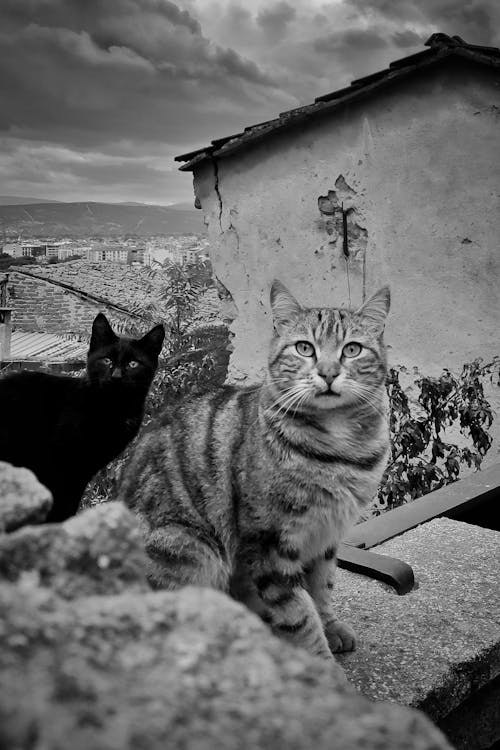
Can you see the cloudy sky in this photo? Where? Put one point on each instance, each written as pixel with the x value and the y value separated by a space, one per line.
pixel 98 96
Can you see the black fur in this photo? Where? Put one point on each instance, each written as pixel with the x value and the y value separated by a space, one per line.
pixel 65 429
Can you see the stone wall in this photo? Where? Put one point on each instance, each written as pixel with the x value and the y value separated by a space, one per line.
pixel 119 283
pixel 91 658
pixel 39 305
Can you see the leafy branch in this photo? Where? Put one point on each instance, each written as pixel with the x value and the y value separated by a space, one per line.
pixel 422 457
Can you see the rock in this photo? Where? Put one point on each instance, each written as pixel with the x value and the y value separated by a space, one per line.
pixel 23 499
pixel 99 551
pixel 190 669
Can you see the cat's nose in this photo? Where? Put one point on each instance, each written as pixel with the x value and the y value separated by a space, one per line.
pixel 117 372
pixel 328 373
pixel 329 378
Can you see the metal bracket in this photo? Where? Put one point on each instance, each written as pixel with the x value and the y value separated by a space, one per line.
pixel 396 573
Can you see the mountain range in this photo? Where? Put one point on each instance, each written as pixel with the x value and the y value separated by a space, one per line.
pixel 58 219
pixel 13 200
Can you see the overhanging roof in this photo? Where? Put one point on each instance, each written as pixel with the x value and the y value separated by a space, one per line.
pixel 441 47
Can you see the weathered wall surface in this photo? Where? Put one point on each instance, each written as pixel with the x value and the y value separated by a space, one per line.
pixel 418 172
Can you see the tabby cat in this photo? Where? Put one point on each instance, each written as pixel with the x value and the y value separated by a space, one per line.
pixel 250 489
pixel 65 429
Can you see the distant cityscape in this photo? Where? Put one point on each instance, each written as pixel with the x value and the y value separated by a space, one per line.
pixel 132 251
pixel 62 263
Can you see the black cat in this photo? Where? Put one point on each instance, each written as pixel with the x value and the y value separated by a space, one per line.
pixel 65 429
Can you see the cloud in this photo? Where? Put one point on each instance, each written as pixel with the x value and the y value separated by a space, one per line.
pixel 86 75
pixel 273 20
pixel 122 173
pixel 350 41
pixel 100 95
pixel 407 38
pixel 477 21
pixel 118 71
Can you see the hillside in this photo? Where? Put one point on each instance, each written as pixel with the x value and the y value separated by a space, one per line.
pixel 101 219
pixel 12 200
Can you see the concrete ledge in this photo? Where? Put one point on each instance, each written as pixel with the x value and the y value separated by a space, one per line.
pixel 438 646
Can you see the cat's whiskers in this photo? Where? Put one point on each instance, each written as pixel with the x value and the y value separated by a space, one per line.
pixel 365 395
pixel 290 398
pixel 289 402
pixel 295 387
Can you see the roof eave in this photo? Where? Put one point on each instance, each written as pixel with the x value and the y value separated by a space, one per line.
pixel 329 102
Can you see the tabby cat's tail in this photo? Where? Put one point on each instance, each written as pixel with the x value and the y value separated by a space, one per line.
pixel 178 557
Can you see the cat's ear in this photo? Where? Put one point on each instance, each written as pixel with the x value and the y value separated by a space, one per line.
pixel 102 333
pixel 374 311
pixel 153 340
pixel 284 306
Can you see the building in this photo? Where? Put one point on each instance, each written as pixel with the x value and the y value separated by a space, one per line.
pixel 392 179
pixel 40 250
pixel 36 249
pixel 136 256
pixel 12 248
pixel 112 254
pixel 63 253
pixel 185 249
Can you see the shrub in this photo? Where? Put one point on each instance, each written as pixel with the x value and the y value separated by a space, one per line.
pixel 423 458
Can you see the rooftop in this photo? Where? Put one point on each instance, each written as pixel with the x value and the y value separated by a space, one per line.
pixel 441 47
pixel 46 347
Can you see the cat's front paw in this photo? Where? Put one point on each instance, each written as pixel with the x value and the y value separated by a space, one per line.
pixel 341 637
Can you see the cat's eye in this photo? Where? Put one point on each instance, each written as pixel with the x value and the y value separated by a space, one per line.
pixel 133 363
pixel 352 349
pixel 106 361
pixel 304 348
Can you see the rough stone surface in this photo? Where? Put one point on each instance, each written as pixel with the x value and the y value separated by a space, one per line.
pixel 190 670
pixel 23 499
pixel 440 643
pixel 96 552
pixel 91 658
pixel 475 724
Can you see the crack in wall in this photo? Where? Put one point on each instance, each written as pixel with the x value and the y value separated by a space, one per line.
pixel 342 221
pixel 231 228
pixel 217 191
pixel 229 309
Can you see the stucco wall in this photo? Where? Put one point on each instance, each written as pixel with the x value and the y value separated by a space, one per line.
pixel 422 160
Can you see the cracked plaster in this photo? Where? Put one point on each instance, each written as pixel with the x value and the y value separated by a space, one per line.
pixel 418 161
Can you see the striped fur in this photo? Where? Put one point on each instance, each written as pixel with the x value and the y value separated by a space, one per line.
pixel 250 490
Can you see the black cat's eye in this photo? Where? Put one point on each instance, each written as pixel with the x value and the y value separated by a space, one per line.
pixel 352 349
pixel 304 348
pixel 107 361
pixel 133 363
